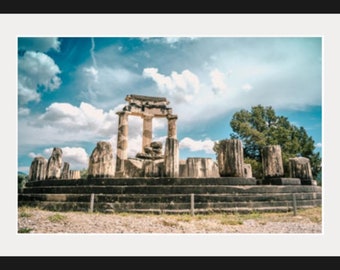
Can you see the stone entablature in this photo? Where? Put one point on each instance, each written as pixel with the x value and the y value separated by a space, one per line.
pixel 147 105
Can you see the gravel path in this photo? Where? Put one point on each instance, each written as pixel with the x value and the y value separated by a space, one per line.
pixel 42 222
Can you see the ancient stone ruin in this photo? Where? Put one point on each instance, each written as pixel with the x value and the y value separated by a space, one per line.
pixel 272 162
pixel 151 160
pixel 299 167
pixel 38 169
pixel 101 161
pixel 154 160
pixel 54 164
pixel 53 168
pixel 156 180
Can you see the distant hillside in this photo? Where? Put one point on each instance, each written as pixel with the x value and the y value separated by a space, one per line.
pixel 22 173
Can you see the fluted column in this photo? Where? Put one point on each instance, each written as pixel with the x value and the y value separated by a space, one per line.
pixel 230 158
pixel 172 128
pixel 147 131
pixel 272 161
pixel 122 141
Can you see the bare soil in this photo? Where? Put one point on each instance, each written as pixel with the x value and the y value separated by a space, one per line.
pixel 37 221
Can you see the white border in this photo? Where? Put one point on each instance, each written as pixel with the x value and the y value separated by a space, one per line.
pixel 325 25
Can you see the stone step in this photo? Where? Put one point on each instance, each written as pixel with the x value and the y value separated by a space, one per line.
pixel 171 198
pixel 168 189
pixel 137 181
pixel 139 207
pixel 173 195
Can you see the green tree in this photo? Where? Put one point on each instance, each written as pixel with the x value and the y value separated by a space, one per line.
pixel 260 127
pixel 22 180
pixel 83 173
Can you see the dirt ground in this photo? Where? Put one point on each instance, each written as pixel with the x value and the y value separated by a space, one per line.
pixel 37 221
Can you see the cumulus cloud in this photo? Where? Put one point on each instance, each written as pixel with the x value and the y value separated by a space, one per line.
pixel 182 86
pixel 83 118
pixel 197 145
pixel 39 44
pixel 218 81
pixel 36 70
pixel 64 123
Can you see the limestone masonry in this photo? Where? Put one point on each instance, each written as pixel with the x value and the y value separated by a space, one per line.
pixel 156 160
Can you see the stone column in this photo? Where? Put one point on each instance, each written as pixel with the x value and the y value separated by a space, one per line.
pixel 74 174
pixel 230 158
pixel 65 171
pixel 247 170
pixel 101 161
pixel 300 168
pixel 171 161
pixel 54 164
pixel 122 142
pixel 38 169
pixel 172 128
pixel 147 131
pixel 272 161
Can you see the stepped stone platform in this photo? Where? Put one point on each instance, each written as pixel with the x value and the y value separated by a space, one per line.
pixel 168 195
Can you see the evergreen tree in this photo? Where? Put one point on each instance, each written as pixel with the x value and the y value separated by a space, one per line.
pixel 260 127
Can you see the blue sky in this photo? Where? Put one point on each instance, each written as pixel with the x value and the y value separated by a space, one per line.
pixel 69 89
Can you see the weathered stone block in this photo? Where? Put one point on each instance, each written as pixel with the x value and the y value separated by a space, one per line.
pixel 54 164
pixel 101 161
pixel 300 167
pixel 230 158
pixel 38 169
pixel 65 171
pixel 171 161
pixel 247 170
pixel 272 161
pixel 200 167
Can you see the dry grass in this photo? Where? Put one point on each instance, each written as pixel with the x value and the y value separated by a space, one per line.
pixel 35 220
pixel 312 214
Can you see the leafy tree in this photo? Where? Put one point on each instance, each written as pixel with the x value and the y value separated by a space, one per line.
pixel 83 173
pixel 260 127
pixel 22 180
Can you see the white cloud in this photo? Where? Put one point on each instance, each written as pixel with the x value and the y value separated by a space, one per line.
pixel 39 44
pixel 93 72
pixel 218 81
pixel 33 155
pixel 23 111
pixel 182 86
pixel 318 145
pixel 86 117
pixel 75 156
pixel 103 86
pixel 206 145
pixel 159 123
pixel 247 87
pixel 36 70
pixel 63 123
